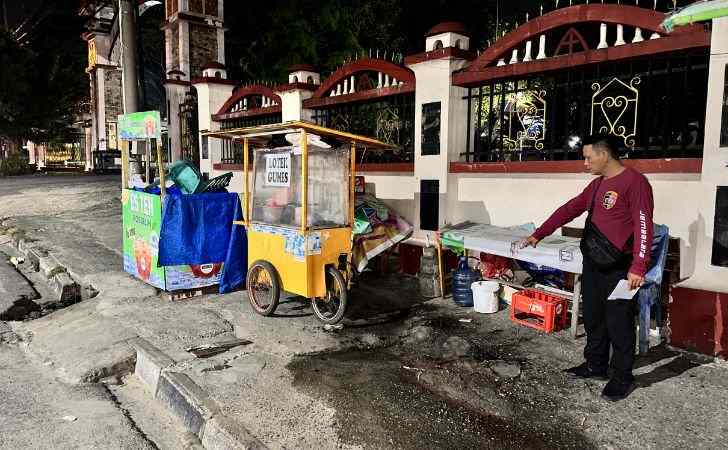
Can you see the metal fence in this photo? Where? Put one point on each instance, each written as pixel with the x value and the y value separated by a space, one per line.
pixel 655 105
pixel 391 120
pixel 232 151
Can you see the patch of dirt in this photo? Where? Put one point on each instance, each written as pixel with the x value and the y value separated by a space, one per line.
pixel 441 383
pixel 388 400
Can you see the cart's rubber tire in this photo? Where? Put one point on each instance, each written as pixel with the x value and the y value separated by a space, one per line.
pixel 274 290
pixel 331 309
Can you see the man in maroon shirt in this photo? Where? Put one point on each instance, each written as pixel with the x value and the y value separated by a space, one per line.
pixel 620 201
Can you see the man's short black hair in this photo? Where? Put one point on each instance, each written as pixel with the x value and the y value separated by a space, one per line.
pixel 605 142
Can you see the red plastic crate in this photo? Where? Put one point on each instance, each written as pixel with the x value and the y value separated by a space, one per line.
pixel 539 310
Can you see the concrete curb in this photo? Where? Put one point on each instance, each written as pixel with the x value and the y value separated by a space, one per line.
pixel 49 266
pixel 25 245
pixel 189 402
pixel 150 362
pixel 186 400
pixel 67 290
pixel 35 255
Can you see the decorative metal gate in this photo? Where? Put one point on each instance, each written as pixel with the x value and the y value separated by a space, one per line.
pixel 390 119
pixel 189 128
pixel 655 105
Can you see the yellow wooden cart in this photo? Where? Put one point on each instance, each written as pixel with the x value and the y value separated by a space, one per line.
pixel 299 213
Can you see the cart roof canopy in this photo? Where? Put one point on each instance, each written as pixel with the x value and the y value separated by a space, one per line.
pixel 264 131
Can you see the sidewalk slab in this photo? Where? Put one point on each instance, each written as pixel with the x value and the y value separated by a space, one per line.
pixel 81 345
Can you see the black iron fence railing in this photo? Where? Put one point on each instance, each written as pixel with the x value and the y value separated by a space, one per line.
pixel 232 152
pixel 189 133
pixel 391 120
pixel 655 105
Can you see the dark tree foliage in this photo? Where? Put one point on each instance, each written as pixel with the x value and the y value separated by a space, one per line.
pixel 152 50
pixel 42 61
pixel 16 87
pixel 265 38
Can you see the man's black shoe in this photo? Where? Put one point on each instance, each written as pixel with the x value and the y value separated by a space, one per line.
pixel 583 371
pixel 617 390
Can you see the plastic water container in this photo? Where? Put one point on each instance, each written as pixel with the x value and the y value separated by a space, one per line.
pixel 462 280
pixel 485 296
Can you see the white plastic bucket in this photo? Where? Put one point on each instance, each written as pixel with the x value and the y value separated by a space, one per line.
pixel 485 296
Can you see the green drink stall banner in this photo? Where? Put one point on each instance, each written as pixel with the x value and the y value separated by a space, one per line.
pixel 139 126
pixel 142 221
pixel 142 217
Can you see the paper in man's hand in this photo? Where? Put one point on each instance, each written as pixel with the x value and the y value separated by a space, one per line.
pixel 622 291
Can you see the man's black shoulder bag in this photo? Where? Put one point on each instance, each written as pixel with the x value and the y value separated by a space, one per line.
pixel 597 248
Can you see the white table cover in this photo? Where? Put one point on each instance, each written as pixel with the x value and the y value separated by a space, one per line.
pixel 558 252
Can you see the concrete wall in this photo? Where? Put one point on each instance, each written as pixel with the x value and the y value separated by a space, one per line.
pixel 714 172
pixel 515 199
pixel 189 46
pixel 433 85
pixel 210 98
pixel 399 191
pixel 99 112
pixel 171 37
pixel 183 47
pixel 105 94
pixel 292 105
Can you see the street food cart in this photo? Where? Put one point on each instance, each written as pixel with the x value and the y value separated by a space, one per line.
pixel 299 212
pixel 142 213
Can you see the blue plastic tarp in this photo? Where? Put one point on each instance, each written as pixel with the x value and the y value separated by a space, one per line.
pixel 198 229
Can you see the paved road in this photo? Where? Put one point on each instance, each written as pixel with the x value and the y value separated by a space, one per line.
pixel 11 185
pixel 36 411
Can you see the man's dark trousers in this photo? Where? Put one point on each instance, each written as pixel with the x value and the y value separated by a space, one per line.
pixel 608 322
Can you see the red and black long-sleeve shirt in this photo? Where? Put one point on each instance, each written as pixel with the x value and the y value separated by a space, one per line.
pixel 623 208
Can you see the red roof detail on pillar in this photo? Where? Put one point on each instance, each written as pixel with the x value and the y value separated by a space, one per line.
pixel 302 68
pixel 292 86
pixel 214 80
pixel 448 27
pixel 213 65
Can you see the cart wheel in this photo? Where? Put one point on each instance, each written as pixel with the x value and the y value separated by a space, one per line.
pixel 264 289
pixel 330 309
